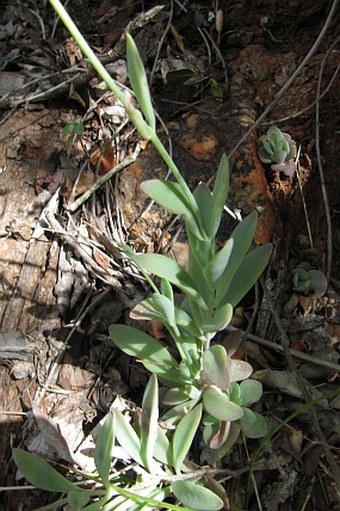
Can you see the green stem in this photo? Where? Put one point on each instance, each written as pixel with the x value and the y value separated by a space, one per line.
pixel 113 86
pixel 175 171
pixel 85 48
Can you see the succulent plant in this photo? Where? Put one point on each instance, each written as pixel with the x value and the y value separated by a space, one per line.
pixel 308 281
pixel 279 150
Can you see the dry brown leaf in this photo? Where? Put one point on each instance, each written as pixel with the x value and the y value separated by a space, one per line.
pixel 51 434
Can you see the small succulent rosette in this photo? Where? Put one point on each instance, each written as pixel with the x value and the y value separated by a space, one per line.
pixel 279 150
pixel 308 281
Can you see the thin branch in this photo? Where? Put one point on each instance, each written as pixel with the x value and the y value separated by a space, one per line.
pixel 122 165
pixel 311 359
pixel 322 178
pixel 309 230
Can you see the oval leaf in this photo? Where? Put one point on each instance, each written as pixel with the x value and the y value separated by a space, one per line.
pixel 196 497
pixel 216 367
pixel 217 404
pixel 204 201
pixel 175 396
pixel 184 435
pixel 162 451
pixel 138 344
pixel 239 370
pixel 128 438
pixel 166 307
pixel 318 283
pixel 40 474
pixel 251 391
pixel 220 320
pixel 168 269
pixel 77 500
pixel 168 195
pixel 104 448
pixel 220 194
pixel 247 274
pixel 223 266
pixel 253 424
pixel 138 80
pixel 149 421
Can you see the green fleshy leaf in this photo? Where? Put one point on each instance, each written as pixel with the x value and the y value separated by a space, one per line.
pixel 100 504
pixel 279 156
pixel 239 370
pixel 77 500
pixel 174 414
pixel 167 373
pixel 221 269
pixel 128 438
pixel 170 196
pixel 184 435
pixel 204 201
pixel 139 82
pixel 149 421
pixel 251 391
pixel 216 367
pixel 146 311
pixel 175 396
pixel 166 307
pixel 185 322
pixel 168 269
pixel 235 394
pixel 269 147
pixel 196 497
pixel 139 122
pixel 234 433
pixel 301 279
pixel 274 135
pixel 218 404
pixel 137 343
pixel 253 424
pixel 152 354
pixel 104 448
pixel 220 194
pixel 218 264
pixel 216 434
pixel 247 274
pixel 220 320
pixel 198 258
pixel 264 156
pixel 163 450
pixel 166 289
pixel 40 474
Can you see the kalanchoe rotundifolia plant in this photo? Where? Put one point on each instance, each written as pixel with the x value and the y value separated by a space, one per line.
pixel 279 150
pixel 205 387
pixel 212 284
pixel 308 281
